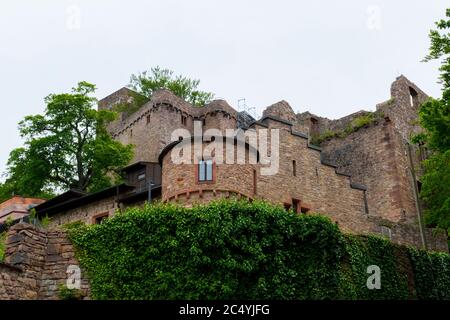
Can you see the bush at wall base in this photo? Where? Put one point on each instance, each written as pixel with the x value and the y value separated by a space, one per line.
pixel 243 250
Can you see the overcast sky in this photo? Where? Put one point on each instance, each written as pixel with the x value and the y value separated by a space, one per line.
pixel 329 57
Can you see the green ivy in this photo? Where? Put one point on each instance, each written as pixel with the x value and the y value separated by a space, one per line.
pixel 2 245
pixel 64 293
pixel 231 250
pixel 364 251
pixel 431 274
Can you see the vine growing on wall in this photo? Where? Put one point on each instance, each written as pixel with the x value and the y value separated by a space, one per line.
pixel 235 250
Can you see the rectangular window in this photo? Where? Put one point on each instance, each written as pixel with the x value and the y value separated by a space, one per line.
pixel 205 170
pixel 98 219
pixel 148 119
pixel 296 205
pixel 304 210
pixel 386 232
pixel 294 168
pixel 183 120
pixel 141 176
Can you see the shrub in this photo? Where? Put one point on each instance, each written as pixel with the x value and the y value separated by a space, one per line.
pixel 64 293
pixel 227 250
pixel 2 246
pixel 242 250
pixel 356 124
pixel 364 251
pixel 431 274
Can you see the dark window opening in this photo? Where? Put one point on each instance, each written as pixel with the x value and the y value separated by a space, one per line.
pixel 294 168
pixel 419 186
pixel 386 232
pixel 413 97
pixel 148 119
pixel 100 218
pixel 205 170
pixel 183 120
pixel 296 205
pixel 204 122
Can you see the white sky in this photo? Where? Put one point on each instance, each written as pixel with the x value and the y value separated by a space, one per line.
pixel 329 57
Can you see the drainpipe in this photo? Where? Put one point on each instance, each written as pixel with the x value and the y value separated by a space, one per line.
pixel 117 198
pixel 416 197
pixel 150 184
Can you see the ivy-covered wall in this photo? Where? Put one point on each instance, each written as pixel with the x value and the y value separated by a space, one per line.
pixel 242 250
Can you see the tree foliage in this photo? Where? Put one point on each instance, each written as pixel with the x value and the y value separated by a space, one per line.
pixel 66 147
pixel 434 116
pixel 145 83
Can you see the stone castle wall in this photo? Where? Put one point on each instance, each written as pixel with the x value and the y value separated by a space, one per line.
pixel 85 213
pixel 181 179
pixel 375 156
pixel 36 263
pixel 316 185
pixel 150 128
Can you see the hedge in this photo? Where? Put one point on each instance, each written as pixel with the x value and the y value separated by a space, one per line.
pixel 239 250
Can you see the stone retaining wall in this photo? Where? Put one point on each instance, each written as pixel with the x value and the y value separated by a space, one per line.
pixel 36 264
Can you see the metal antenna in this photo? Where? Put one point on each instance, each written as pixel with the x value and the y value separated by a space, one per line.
pixel 242 106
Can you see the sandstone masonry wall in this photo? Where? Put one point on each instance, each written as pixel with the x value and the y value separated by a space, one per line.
pixel 180 180
pixel 36 263
pixel 317 186
pixel 85 213
pixel 375 156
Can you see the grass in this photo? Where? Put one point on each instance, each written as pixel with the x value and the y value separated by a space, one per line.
pixel 356 124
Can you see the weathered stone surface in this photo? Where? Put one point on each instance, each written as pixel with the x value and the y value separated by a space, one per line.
pixel 36 265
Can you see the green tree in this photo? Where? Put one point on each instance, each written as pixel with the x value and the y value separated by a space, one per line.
pixel 434 117
pixel 147 82
pixel 66 147
pixel 10 188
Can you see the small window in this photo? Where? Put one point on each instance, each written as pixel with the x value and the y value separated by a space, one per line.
pixel 148 119
pixel 205 170
pixel 294 168
pixel 100 218
pixel 141 176
pixel 296 205
pixel 183 120
pixel 413 97
pixel 204 122
pixel 386 232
